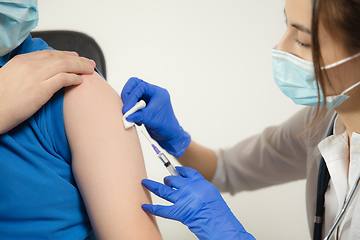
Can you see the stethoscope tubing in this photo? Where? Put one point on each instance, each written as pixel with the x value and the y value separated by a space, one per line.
pixel 343 210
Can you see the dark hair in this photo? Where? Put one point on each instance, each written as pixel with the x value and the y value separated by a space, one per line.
pixel 341 18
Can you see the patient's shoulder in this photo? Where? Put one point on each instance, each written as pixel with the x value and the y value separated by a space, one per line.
pixel 94 89
pixel 95 98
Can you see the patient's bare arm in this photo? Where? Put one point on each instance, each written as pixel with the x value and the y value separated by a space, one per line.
pixel 107 162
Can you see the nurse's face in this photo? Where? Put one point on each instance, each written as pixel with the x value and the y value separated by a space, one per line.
pixel 297 38
pixel 297 41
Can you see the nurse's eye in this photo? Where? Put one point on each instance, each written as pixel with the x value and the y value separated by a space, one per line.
pixel 302 44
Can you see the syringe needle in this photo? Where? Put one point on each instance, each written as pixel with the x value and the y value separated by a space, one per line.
pixel 146 137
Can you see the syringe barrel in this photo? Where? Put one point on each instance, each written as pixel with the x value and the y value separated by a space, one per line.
pixel 163 158
pixel 172 170
pixel 168 164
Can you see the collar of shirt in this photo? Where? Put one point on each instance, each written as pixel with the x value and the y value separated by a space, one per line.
pixel 335 152
pixel 343 173
pixel 28 45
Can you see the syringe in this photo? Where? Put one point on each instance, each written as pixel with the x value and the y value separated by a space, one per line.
pixel 164 159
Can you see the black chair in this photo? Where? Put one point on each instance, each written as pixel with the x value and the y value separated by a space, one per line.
pixel 79 42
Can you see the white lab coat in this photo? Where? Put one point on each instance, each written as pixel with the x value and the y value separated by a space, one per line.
pixel 278 155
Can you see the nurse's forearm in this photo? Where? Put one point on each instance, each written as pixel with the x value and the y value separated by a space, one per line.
pixel 202 159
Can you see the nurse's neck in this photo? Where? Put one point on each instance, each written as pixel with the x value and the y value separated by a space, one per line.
pixel 349 112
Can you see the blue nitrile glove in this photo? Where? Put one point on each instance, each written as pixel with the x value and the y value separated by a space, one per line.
pixel 197 204
pixel 158 115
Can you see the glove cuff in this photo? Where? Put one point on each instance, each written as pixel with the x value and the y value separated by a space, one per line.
pixel 179 144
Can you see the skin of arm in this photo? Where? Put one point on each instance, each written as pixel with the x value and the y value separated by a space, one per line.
pixel 107 162
pixel 201 159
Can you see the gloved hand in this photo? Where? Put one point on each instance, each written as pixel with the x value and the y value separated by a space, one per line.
pixel 158 115
pixel 197 204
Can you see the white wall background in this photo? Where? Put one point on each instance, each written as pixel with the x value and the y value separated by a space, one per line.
pixel 214 58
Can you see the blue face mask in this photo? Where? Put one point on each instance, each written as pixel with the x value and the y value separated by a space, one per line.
pixel 296 79
pixel 17 19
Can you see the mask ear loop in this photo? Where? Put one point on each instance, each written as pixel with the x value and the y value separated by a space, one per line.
pixel 350 88
pixel 332 98
pixel 340 62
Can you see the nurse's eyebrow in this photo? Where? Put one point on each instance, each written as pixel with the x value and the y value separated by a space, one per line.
pixel 298 27
pixel 301 28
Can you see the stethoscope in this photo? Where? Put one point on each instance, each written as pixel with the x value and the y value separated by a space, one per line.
pixel 343 209
pixel 323 181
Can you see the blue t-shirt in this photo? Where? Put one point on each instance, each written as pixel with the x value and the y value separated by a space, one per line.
pixel 39 198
